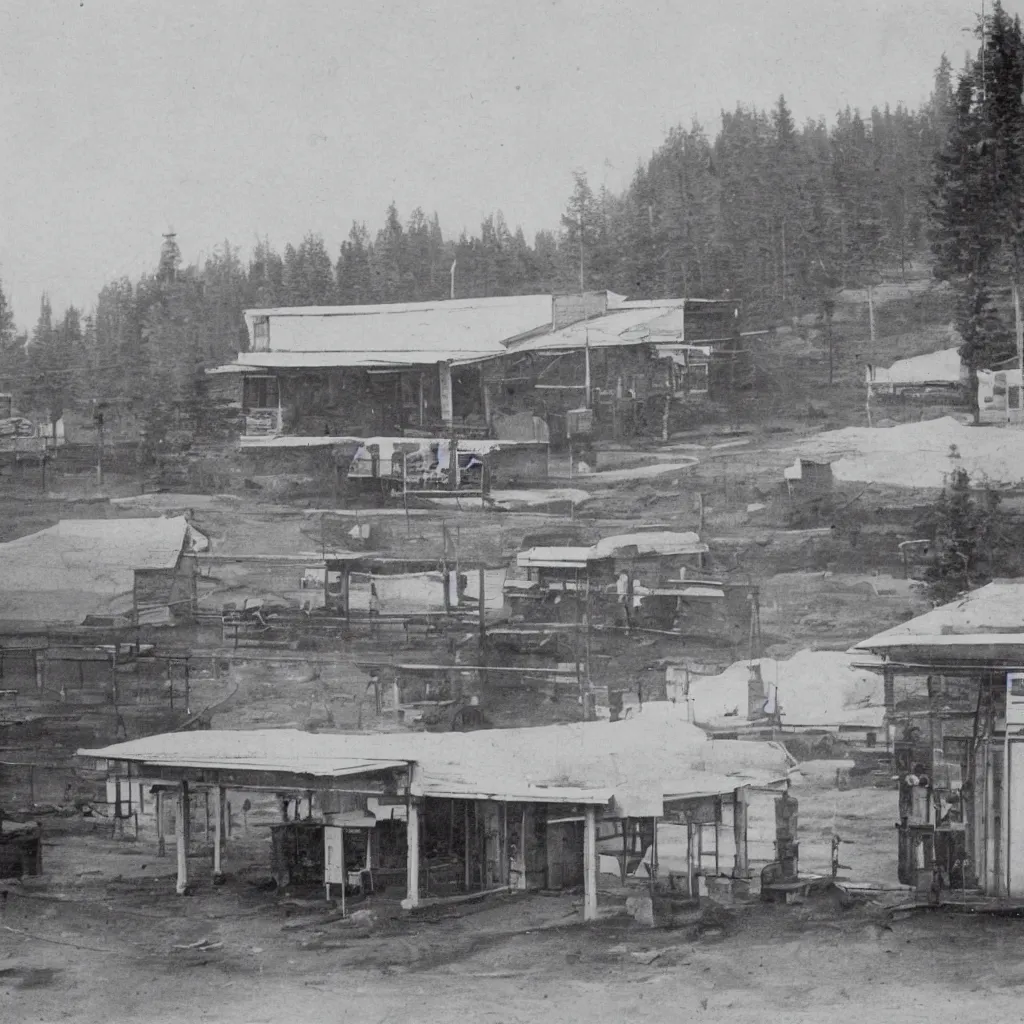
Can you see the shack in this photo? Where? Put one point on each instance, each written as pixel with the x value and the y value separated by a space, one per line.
pixel 136 571
pixel 441 815
pixel 635 577
pixel 954 695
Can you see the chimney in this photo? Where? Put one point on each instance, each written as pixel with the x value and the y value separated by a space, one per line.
pixel 755 694
pixel 572 309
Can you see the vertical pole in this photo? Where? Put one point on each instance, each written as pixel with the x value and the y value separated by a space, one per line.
pixel 218 831
pixel 871 313
pixel 344 872
pixel 1018 327
pixel 689 859
pixel 503 846
pixel 39 664
pixel 405 491
pixel 992 877
pixel 482 603
pixel 739 830
pixel 181 837
pixel 586 370
pixel 465 853
pixel 412 855
pixel 161 846
pixel 345 585
pixel 1005 814
pixel 589 864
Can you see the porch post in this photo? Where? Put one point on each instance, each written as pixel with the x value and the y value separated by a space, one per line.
pixel 739 831
pixel 160 845
pixel 444 377
pixel 589 864
pixel 181 835
pixel 412 855
pixel 218 832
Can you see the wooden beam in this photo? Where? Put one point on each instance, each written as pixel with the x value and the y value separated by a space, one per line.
pixel 589 865
pixel 181 835
pixel 412 856
pixel 218 831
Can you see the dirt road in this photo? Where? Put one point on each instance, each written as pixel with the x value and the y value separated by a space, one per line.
pixel 102 937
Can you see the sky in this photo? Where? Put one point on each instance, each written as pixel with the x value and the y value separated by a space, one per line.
pixel 223 119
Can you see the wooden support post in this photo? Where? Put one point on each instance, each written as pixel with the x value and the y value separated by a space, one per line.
pixel 689 860
pixel 503 873
pixel 625 850
pixel 465 829
pixel 39 663
pixel 161 845
pixel 345 593
pixel 218 831
pixel 181 831
pixel 412 856
pixel 739 831
pixel 482 610
pixel 589 864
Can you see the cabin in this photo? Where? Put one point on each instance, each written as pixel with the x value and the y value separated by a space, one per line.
pixel 505 368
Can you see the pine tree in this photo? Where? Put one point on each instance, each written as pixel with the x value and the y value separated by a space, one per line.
pixel 12 354
pixel 354 286
pixel 580 233
pixel 963 526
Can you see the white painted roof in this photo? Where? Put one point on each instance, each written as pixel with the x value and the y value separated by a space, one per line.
pixel 656 752
pixel 942 367
pixel 654 542
pixel 665 543
pixel 993 614
pixel 622 327
pixel 84 566
pixel 395 334
pixel 813 688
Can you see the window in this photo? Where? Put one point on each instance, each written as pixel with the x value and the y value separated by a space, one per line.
pixel 260 393
pixel 261 333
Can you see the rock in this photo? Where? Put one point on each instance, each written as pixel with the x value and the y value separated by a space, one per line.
pixel 641 909
pixel 365 918
pixel 645 956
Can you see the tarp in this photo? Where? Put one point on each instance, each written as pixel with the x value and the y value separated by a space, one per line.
pixel 813 688
pixel 944 367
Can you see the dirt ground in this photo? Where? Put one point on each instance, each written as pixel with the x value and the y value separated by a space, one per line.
pixel 102 937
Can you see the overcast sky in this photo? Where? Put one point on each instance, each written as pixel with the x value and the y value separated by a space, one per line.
pixel 232 119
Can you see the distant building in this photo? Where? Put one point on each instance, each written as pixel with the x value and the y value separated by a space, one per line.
pixel 132 570
pixel 317 376
pixel 934 376
pixel 954 694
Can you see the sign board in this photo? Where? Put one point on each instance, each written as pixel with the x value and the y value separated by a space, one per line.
pixel 334 855
pixel 700 811
pixel 1015 700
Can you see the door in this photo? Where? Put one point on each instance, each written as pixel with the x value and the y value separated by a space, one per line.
pixel 334 855
pixel 565 854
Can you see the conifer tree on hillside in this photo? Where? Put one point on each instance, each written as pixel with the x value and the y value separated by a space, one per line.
pixel 978 216
pixel 12 353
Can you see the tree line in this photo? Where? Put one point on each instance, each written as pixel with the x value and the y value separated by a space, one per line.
pixel 977 199
pixel 776 214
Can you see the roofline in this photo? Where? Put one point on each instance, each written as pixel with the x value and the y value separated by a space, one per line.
pixel 388 308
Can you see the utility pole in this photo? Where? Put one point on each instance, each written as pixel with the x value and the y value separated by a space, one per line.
pixel 581 253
